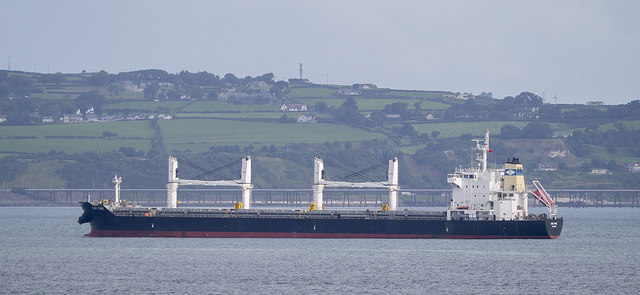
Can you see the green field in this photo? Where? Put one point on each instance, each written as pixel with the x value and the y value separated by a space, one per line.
pixel 376 104
pixel 221 106
pixel 417 94
pixel 70 146
pixel 41 144
pixel 455 129
pixel 635 125
pixel 200 134
pixel 249 116
pixel 146 106
pixel 311 92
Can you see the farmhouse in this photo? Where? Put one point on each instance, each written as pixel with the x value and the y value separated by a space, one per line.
pixel 348 92
pixel 599 171
pixel 293 108
pixel 306 119
pixel 545 167
pixel 558 154
pixel 257 84
pixel 71 118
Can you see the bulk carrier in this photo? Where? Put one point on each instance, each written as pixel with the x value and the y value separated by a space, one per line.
pixel 484 204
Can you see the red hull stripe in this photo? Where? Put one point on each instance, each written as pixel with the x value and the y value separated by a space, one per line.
pixel 201 234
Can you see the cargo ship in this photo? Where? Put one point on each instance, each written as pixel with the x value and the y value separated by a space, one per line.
pixel 485 204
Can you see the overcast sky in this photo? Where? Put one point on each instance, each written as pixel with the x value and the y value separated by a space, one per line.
pixel 575 50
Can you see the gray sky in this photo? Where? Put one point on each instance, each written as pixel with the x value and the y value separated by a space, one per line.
pixel 575 50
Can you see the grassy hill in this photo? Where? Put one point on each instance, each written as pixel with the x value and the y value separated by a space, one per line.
pixel 390 123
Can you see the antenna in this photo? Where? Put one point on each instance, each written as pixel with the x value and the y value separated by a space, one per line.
pixel 9 66
pixel 300 71
pixel 555 97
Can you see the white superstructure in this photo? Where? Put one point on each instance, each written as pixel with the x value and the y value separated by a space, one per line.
pixel 492 194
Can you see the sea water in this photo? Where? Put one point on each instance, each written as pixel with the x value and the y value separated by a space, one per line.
pixel 43 250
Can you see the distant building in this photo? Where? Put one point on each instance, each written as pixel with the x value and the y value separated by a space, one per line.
pixel 463 96
pixel 224 96
pixel 558 154
pixel 544 167
pixel 634 167
pixel 594 103
pixel 92 118
pixel 306 119
pixel 348 92
pixel 47 119
pixel 599 171
pixel 257 84
pixel 562 133
pixel 365 86
pixel 3 118
pixel 392 116
pixel 431 117
pixel 71 118
pixel 293 107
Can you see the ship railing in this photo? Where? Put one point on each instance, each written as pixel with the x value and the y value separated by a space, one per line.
pixel 292 214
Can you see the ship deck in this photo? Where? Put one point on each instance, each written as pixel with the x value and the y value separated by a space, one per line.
pixel 279 213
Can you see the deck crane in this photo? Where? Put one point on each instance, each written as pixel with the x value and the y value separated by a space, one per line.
pixel 244 182
pixel 319 183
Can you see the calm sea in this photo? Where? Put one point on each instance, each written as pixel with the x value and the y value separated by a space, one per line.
pixel 42 250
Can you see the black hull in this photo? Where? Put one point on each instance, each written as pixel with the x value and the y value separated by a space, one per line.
pixel 105 224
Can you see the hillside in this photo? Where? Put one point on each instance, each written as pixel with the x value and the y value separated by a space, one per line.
pixel 77 130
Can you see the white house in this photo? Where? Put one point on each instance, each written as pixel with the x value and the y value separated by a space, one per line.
pixel 599 171
pixel 634 167
pixel 293 108
pixel 306 119
pixel 558 154
pixel 348 92
pixel 71 118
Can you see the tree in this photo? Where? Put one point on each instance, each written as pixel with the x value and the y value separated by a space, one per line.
pixel 396 108
pixel 528 99
pixel 320 107
pixel 278 89
pixel 151 91
pixel 231 79
pixel 90 99
pixel 115 88
pixel 435 134
pixel 100 78
pixel 196 92
pixel 550 112
pixel 348 112
pixel 268 78
pixel 537 130
pixel 509 131
pixel 407 130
